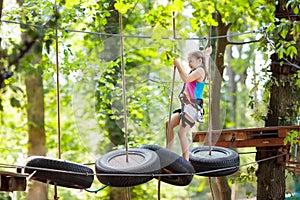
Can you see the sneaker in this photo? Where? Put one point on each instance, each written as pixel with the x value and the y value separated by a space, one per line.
pixel 200 115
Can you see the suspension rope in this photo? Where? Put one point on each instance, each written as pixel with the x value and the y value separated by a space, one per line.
pixel 57 92
pixel 172 94
pixel 211 188
pixel 57 84
pixel 123 85
pixel 127 192
pixel 209 98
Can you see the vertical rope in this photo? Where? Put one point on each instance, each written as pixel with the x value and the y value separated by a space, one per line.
pixel 123 84
pixel 209 99
pixel 158 188
pixel 211 188
pixel 173 78
pixel 128 195
pixel 57 82
pixel 172 92
pixel 57 92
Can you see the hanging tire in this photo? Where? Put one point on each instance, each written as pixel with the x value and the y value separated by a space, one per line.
pixel 172 163
pixel 59 172
pixel 221 162
pixel 112 168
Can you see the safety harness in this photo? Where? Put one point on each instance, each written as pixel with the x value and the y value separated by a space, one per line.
pixel 196 103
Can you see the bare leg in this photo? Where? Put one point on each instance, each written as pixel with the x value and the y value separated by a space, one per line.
pixel 184 142
pixel 175 119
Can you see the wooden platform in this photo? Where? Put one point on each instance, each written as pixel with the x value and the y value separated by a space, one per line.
pixel 293 167
pixel 10 181
pixel 250 137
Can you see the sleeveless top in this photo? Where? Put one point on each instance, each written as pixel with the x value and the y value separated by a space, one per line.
pixel 194 89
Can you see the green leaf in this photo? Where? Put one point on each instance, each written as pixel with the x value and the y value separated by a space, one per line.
pixel 15 102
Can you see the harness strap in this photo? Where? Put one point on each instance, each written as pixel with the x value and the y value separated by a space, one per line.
pixel 184 100
pixel 185 120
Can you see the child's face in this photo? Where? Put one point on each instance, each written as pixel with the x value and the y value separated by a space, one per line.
pixel 194 62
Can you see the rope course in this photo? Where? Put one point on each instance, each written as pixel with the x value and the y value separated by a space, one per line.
pixel 138 175
pixel 261 30
pixel 121 37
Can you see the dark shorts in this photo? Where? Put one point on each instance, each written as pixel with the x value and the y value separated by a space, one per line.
pixel 177 110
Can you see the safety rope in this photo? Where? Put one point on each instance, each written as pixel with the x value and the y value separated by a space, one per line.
pixel 173 78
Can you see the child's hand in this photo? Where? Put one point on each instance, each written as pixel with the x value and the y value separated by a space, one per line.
pixel 176 62
pixel 208 50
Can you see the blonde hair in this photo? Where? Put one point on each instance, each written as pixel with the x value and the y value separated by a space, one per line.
pixel 200 54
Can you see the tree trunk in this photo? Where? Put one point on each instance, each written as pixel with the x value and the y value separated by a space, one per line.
pixel 36 130
pixel 283 111
pixel 232 88
pixel 222 184
pixel 35 111
pixel 270 173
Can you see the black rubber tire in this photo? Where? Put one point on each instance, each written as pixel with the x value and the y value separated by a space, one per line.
pixel 142 163
pixel 222 162
pixel 172 163
pixel 44 171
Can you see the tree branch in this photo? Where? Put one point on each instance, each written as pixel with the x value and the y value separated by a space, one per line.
pixel 1 7
pixel 23 51
pixel 241 43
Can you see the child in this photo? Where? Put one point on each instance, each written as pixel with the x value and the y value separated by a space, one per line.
pixel 190 97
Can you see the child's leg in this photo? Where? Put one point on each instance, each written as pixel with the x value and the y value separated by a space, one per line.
pixel 175 119
pixel 184 142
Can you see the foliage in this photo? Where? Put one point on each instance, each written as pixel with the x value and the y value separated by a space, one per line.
pixel 90 75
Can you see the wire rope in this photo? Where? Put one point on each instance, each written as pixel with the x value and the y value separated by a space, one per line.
pixel 261 30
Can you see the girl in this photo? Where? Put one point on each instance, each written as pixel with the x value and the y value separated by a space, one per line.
pixel 190 97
